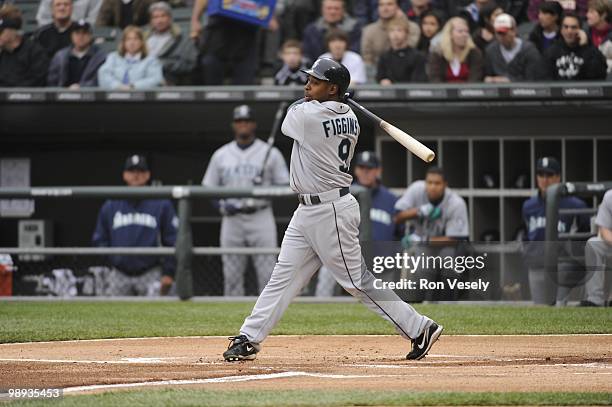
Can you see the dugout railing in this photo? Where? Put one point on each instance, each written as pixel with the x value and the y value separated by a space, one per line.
pixel 184 250
pixel 554 240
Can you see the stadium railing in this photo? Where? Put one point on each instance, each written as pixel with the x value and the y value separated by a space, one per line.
pixel 184 250
pixel 554 240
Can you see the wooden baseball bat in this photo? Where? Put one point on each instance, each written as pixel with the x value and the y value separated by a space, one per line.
pixel 414 146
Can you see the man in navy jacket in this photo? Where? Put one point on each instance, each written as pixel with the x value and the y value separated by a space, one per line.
pixel 546 289
pixel 77 65
pixel 137 223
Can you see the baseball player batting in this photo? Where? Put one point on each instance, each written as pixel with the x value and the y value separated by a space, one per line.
pixel 324 229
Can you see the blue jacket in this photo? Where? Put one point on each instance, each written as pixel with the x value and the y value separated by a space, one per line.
pixel 146 73
pixel 144 223
pixel 58 70
pixel 381 215
pixel 534 216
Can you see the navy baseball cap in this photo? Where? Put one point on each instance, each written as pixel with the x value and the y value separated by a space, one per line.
pixel 367 159
pixel 243 112
pixel 81 25
pixel 136 162
pixel 548 165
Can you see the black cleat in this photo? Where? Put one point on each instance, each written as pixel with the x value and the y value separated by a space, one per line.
pixel 423 343
pixel 240 349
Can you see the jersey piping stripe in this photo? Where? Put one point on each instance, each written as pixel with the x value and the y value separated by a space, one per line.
pixel 351 278
pixel 329 108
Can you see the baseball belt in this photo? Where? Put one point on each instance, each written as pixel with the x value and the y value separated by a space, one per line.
pixel 323 197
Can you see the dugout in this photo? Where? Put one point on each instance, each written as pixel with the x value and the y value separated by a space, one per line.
pixel 487 137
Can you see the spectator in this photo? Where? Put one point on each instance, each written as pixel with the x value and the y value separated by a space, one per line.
pixel 485 33
pixel 430 25
pixel 81 10
pixel 174 49
pixel 56 35
pixel 417 9
pixel 568 60
pixel 121 13
pixel 471 13
pixel 77 66
pixel 598 14
pixel 368 173
pixel 598 257
pixel 606 50
pixel 375 40
pixel 333 16
pixel 22 62
pixel 225 44
pixel 293 63
pixel 337 43
pixel 367 11
pixel 435 214
pixel 131 67
pixel 518 10
pixel 542 286
pixel 137 223
pixel 577 7
pixel 546 31
pixel 509 58
pixel 246 222
pixel 455 58
pixel 294 16
pixel 401 63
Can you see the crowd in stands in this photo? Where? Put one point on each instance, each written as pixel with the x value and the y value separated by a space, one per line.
pixel 380 41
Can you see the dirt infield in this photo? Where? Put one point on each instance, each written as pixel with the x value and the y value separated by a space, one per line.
pixel 456 363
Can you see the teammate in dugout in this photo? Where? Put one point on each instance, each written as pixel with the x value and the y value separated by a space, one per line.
pixel 438 220
pixel 246 222
pixel 137 223
pixel 547 289
pixel 324 228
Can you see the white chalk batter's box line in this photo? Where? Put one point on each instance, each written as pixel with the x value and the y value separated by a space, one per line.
pixel 420 365
pixel 147 338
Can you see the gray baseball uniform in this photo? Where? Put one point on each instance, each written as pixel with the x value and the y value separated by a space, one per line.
pixel 598 257
pixel 454 219
pixel 232 166
pixel 324 230
pixel 453 222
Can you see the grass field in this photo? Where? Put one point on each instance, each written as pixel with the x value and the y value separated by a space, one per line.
pixel 47 321
pixel 57 320
pixel 330 398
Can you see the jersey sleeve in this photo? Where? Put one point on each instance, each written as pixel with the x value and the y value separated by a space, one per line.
pixel 293 125
pixel 408 200
pixel 212 177
pixel 280 173
pixel 604 213
pixel 457 224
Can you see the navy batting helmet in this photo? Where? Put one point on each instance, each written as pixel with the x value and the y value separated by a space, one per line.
pixel 326 69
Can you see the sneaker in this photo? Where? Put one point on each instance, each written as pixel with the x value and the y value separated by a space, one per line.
pixel 423 343
pixel 240 349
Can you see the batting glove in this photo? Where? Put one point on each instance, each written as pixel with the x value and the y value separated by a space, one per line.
pixel 428 211
pixel 410 240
